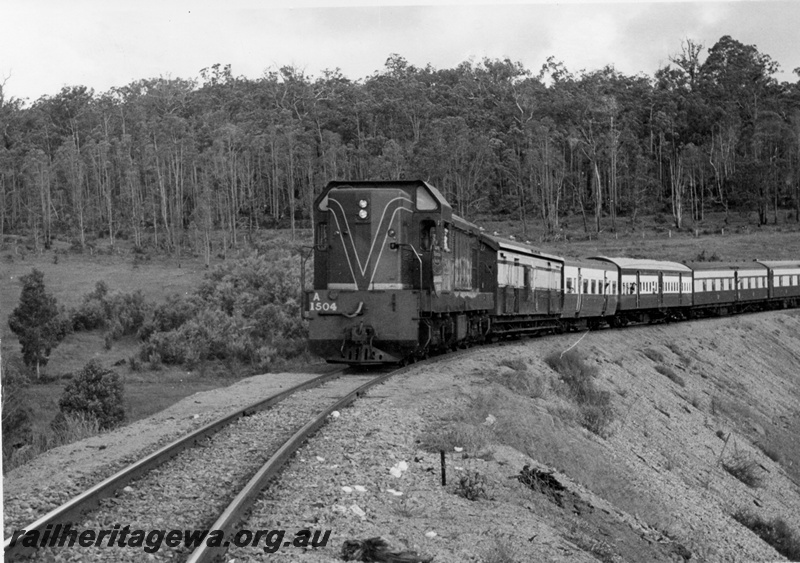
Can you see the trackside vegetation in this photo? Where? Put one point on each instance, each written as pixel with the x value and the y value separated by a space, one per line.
pixel 243 318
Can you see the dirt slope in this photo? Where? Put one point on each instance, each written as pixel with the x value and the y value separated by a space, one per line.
pixel 688 400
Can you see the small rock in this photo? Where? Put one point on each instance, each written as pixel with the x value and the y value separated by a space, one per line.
pixel 430 534
pixel 347 489
pixel 360 488
pixel 128 489
pixel 358 511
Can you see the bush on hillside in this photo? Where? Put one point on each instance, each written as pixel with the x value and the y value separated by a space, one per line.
pixel 121 313
pixel 578 378
pixel 775 532
pixel 170 315
pixel 246 310
pixel 95 391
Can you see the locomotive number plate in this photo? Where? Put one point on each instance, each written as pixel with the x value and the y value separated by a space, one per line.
pixel 316 304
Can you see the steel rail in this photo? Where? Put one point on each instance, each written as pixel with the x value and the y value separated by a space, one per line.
pixel 242 502
pixel 85 501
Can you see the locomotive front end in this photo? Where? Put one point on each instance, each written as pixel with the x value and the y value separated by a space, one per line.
pixel 364 306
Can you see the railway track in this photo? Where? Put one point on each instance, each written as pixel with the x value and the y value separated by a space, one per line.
pixel 189 483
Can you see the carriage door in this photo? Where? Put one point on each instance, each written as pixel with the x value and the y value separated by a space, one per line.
pixel 638 288
pixel 604 289
pixel 660 289
pixel 579 290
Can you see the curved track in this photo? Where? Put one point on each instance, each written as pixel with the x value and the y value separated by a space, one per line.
pixel 72 510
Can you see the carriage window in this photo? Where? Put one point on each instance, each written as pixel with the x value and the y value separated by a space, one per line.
pixel 614 287
pixel 447 235
pixel 586 286
pixel 594 286
pixel 705 288
pixel 569 285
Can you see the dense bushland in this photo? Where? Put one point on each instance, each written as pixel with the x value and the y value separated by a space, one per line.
pixel 165 162
pixel 246 310
pixel 120 313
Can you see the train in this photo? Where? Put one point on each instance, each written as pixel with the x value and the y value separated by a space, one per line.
pixel 398 276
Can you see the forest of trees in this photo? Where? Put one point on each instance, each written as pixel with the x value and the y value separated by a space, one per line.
pixel 168 161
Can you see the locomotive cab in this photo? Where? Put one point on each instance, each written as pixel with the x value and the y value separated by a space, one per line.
pixel 376 249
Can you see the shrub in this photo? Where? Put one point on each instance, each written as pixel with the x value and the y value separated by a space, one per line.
pixel 775 532
pixel 471 486
pixel 670 373
pixel 95 391
pixel 16 419
pixel 578 377
pixel 123 313
pixel 743 468
pixel 519 379
pixel 653 355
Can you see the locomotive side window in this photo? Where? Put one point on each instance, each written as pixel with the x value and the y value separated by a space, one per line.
pixel 425 201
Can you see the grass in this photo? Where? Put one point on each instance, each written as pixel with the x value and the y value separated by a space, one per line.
pixel 775 532
pixel 519 379
pixel 73 427
pixel 653 355
pixel 578 379
pixel 675 349
pixel 670 373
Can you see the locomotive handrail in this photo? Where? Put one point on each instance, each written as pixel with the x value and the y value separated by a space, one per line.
pixel 395 245
pixel 358 311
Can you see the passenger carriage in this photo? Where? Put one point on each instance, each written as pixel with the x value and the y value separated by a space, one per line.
pixel 651 289
pixel 590 289
pixel 722 286
pixel 783 280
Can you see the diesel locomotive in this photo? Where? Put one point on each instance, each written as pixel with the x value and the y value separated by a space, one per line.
pixel 397 275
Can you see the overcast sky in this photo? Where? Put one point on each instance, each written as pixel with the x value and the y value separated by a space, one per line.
pixel 48 44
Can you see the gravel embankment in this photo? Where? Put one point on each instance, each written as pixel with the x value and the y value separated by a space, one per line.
pixel 191 490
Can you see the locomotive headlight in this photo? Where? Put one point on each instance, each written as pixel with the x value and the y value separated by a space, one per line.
pixel 362 203
pixel 362 213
